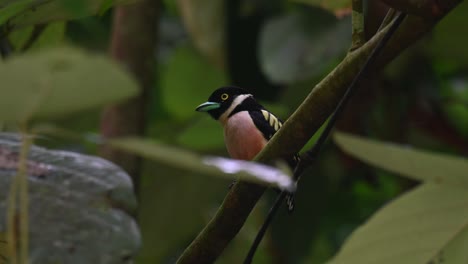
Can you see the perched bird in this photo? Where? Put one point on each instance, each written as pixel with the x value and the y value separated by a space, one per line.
pixel 247 124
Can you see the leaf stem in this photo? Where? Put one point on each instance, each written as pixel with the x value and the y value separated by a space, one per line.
pixel 19 190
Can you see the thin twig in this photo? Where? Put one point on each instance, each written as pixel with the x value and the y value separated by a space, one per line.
pixel 24 198
pixel 387 19
pixel 309 156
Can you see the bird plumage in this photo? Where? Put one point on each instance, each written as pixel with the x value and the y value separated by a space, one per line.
pixel 247 124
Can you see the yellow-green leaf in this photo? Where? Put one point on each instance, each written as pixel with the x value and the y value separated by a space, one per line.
pixel 413 229
pixel 212 166
pixel 405 160
pixel 58 82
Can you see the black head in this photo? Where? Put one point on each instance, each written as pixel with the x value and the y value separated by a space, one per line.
pixel 220 100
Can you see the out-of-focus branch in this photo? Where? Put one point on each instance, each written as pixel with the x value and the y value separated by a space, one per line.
pixel 296 131
pixel 133 44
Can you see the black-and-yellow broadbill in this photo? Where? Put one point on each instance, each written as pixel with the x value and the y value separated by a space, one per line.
pixel 247 124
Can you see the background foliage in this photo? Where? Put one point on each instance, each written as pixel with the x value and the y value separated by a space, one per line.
pixel 278 50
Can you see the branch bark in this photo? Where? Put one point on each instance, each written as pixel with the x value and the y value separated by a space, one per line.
pixel 296 131
pixel 133 43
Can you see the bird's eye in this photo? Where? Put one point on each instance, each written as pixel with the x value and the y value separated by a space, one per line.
pixel 224 96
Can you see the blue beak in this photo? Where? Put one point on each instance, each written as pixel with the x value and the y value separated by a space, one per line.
pixel 205 107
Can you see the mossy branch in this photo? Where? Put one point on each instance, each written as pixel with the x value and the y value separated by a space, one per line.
pixel 296 131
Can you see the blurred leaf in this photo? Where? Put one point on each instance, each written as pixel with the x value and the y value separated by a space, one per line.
pixel 204 21
pixel 454 102
pixel 339 7
pixel 60 82
pixel 175 205
pixel 260 172
pixel 187 81
pixel 455 252
pixel 79 205
pixel 412 163
pixel 12 9
pixel 31 12
pixel 450 38
pixel 105 5
pixel 51 36
pixel 213 166
pixel 412 229
pixel 299 46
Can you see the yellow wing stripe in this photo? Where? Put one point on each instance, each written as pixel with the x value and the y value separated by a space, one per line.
pixel 266 115
pixel 272 120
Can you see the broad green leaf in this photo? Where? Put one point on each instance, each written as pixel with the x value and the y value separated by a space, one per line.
pixel 404 160
pixel 31 12
pixel 58 82
pixel 188 201
pixel 12 9
pixel 188 80
pixel 412 229
pixel 298 47
pixel 79 209
pixel 204 20
pixel 454 102
pixel 450 33
pixel 455 252
pixel 338 7
pixel 105 5
pixel 213 166
pixel 51 36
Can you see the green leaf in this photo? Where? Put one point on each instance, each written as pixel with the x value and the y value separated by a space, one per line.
pixel 51 36
pixel 105 5
pixel 404 160
pixel 450 33
pixel 295 47
pixel 454 102
pixel 204 20
pixel 12 9
pixel 32 12
pixel 412 229
pixel 58 82
pixel 455 252
pixel 187 81
pixel 213 166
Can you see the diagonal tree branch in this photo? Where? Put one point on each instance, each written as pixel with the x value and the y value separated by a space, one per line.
pixel 296 131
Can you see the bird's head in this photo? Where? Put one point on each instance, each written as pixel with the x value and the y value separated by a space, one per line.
pixel 222 101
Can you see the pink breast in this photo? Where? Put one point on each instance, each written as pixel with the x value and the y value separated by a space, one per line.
pixel 243 139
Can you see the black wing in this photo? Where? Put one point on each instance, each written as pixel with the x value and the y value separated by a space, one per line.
pixel 266 122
